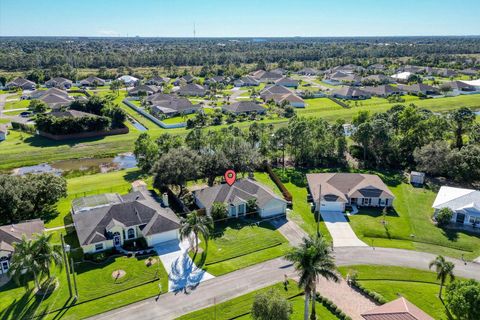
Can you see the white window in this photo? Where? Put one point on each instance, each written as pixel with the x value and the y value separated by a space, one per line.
pixel 131 233
pixel 98 246
pixel 475 220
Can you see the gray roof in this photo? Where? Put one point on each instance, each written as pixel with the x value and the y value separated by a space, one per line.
pixel 384 90
pixel 417 88
pixel 20 82
pixel 144 88
pixel 58 81
pixel 350 92
pixel 71 114
pixel 244 106
pixel 136 209
pixel 11 233
pixel 192 87
pixel 274 89
pixel 37 94
pixel 91 80
pixel 240 192
pixel 459 85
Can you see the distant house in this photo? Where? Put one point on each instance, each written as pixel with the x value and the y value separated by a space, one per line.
pixel 245 107
pixel 403 77
pixel 237 196
pixel 411 69
pixel 12 233
pixel 216 80
pixel 59 82
pixel 470 72
pixel 3 132
pixel 144 88
pixel 459 87
pixel 192 89
pixel 341 189
pixel 465 204
pixel 350 93
pixel 376 67
pixel 247 81
pixel 21 83
pixel 274 89
pixel 55 98
pixel 166 105
pixel 376 79
pixel 188 79
pixel 419 88
pixel 382 91
pixel 281 96
pixel 287 82
pixel 128 81
pixel 157 81
pixel 399 309
pixel 340 77
pixel 349 68
pixel 266 76
pixel 308 72
pixel 70 113
pixel 109 220
pixel 442 72
pixel 279 71
pixel 92 82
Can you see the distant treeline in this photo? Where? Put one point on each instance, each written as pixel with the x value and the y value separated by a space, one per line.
pixel 30 53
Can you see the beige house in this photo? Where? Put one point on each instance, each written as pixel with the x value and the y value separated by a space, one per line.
pixel 341 189
pixel 109 220
pixel 399 309
pixel 9 234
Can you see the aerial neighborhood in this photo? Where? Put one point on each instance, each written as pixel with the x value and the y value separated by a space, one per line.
pixel 239 178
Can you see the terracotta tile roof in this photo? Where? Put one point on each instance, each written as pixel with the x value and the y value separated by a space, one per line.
pixel 400 309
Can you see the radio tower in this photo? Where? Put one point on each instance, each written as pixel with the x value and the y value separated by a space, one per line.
pixel 194 31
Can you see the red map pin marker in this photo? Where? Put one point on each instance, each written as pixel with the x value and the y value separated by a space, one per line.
pixel 230 177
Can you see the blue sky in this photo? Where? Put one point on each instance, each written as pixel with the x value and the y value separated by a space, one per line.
pixel 217 18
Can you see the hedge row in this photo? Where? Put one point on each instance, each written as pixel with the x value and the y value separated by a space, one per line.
pixel 343 104
pixel 371 294
pixel 332 307
pixel 23 127
pixel 286 194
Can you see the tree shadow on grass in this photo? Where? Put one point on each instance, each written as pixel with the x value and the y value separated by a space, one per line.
pixel 377 212
pixel 42 142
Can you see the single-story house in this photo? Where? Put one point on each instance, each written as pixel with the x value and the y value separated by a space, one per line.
pixel 187 79
pixel 92 81
pixel 351 93
pixel 246 107
pixel 349 68
pixel 308 72
pixel 266 76
pixel 236 197
pixel 192 89
pixel 442 72
pixel 459 87
pixel 470 71
pixel 383 90
pixel 21 83
pixel 411 69
pixel 247 81
pixel 465 204
pixel 129 81
pixel 287 82
pixel 216 80
pixel 403 77
pixel 376 79
pixel 157 81
pixel 59 82
pixel 419 88
pixel 279 71
pixel 147 89
pixel 174 107
pixel 341 189
pixel 417 178
pixel 474 83
pixel 3 132
pixel 340 77
pixel 109 220
pixel 376 67
pixel 55 98
pixel 399 309
pixel 274 89
pixel 9 234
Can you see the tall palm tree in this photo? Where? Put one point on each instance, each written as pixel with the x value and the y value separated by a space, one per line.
pixel 312 259
pixel 46 253
pixel 196 224
pixel 24 261
pixel 444 270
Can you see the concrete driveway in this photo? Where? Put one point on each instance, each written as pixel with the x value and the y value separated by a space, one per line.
pixel 183 274
pixel 339 228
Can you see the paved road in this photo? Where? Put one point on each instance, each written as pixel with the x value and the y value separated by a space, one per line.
pixel 240 282
pixel 3 98
pixel 341 231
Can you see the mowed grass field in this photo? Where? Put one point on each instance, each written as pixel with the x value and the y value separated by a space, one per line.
pixel 417 286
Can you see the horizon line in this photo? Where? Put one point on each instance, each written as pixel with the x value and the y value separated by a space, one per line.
pixel 238 37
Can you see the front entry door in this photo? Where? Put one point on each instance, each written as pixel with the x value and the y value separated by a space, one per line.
pixel 4 267
pixel 116 240
pixel 460 218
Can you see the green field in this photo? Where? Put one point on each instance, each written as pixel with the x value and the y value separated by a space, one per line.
pixel 409 226
pixel 19 104
pixel 419 287
pixel 240 307
pixel 235 245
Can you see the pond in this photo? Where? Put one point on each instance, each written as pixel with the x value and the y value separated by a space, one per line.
pixel 79 166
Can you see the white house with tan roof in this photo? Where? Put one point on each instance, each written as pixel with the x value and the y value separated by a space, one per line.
pixel 465 204
pixel 341 189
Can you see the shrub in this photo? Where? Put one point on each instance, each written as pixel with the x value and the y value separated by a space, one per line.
pixel 219 211
pixel 444 216
pixel 135 244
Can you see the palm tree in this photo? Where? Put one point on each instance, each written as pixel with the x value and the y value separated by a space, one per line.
pixel 46 253
pixel 196 224
pixel 24 261
pixel 312 259
pixel 444 269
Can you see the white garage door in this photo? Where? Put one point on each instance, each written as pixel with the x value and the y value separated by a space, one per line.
pixel 273 208
pixel 162 237
pixel 332 206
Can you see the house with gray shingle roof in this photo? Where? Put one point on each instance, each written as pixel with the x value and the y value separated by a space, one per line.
pixel 107 221
pixel 92 81
pixel 192 89
pixel 245 107
pixel 340 189
pixel 351 93
pixel 419 88
pixel 12 233
pixel 465 204
pixel 21 83
pixel 383 90
pixel 237 196
pixel 287 82
pixel 247 81
pixel 144 88
pixel 59 82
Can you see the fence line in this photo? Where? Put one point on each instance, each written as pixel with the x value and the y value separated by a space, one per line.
pixel 152 118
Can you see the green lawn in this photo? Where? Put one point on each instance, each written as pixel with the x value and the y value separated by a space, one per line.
pixel 240 307
pixel 409 226
pixel 116 182
pixel 419 287
pixel 98 291
pixel 19 104
pixel 300 213
pixel 237 244
pixel 178 119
